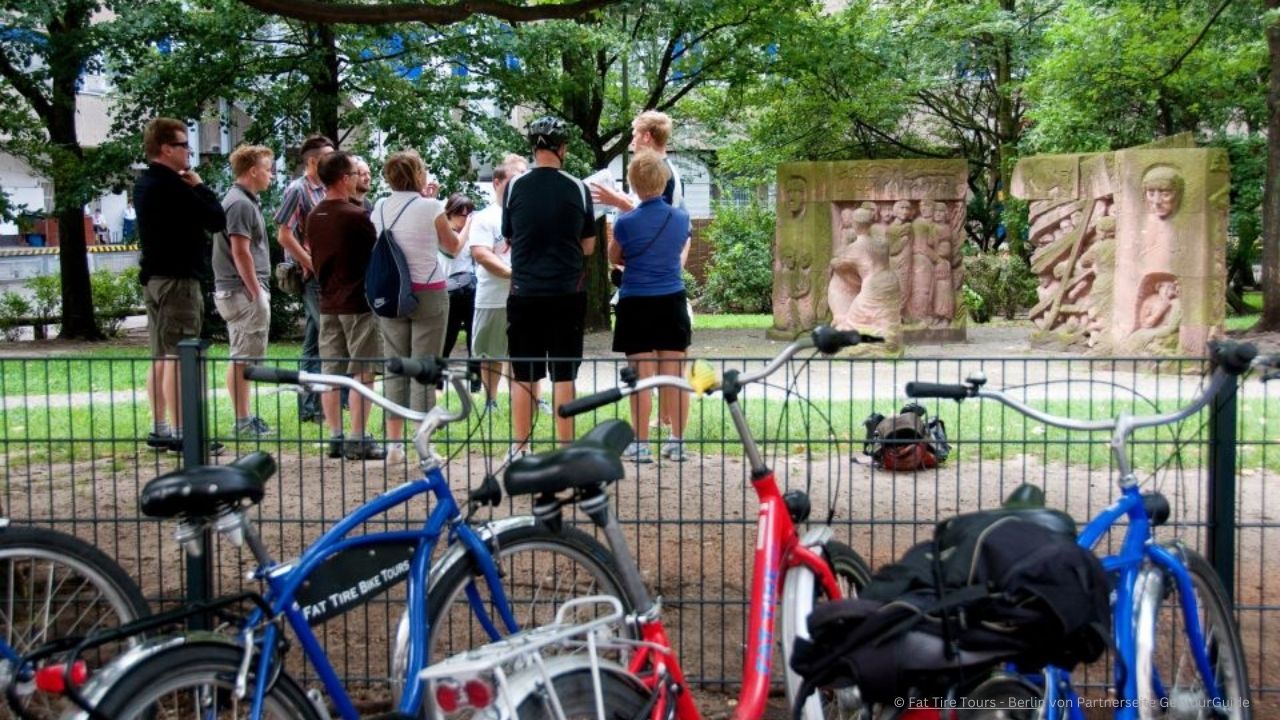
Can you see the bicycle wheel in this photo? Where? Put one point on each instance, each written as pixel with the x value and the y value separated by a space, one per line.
pixel 576 692
pixel 198 680
pixel 852 574
pixel 540 570
pixel 1169 683
pixel 54 585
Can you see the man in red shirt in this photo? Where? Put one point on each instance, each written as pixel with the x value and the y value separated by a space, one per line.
pixel 341 239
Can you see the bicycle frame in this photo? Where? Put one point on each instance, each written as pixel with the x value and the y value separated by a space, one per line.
pixel 1137 549
pixel 778 549
pixel 283 582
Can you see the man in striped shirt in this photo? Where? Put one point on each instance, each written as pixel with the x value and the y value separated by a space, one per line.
pixel 300 197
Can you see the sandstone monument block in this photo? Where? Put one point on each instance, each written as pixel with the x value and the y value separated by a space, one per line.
pixel 871 245
pixel 1130 248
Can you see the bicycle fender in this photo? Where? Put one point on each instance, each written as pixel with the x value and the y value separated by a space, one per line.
pixel 531 680
pixel 457 553
pixel 103 679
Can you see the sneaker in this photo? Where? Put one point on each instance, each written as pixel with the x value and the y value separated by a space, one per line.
pixel 364 449
pixel 544 406
pixel 490 406
pixel 638 452
pixel 673 450
pixel 515 453
pixel 160 443
pixel 336 446
pixel 253 427
pixel 215 448
pixel 309 417
pixel 395 455
pixel 476 385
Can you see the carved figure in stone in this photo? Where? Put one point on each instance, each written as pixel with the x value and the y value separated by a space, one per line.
pixel 923 258
pixel 899 236
pixel 1162 188
pixel 1101 259
pixel 944 294
pixel 863 293
pixel 1159 315
pixel 795 188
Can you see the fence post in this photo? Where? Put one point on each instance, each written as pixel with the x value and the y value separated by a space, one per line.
pixel 191 378
pixel 1221 550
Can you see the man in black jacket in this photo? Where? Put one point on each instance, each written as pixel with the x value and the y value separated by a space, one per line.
pixel 175 212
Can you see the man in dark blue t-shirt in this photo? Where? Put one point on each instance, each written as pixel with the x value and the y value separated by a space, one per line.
pixel 549 220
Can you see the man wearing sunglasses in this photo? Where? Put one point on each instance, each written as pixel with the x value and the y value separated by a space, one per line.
pixel 176 212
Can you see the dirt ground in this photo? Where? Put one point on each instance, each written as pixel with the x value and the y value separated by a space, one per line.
pixel 692 525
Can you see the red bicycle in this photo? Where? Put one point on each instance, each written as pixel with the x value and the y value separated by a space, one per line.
pixel 623 665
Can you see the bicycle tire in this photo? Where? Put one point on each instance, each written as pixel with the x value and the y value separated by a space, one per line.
pixel 852 574
pixel 519 550
pixel 1171 661
pixel 155 688
pixel 73 586
pixel 576 691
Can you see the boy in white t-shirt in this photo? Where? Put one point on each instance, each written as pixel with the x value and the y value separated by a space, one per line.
pixel 492 255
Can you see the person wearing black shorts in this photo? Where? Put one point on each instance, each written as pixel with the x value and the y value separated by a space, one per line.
pixel 549 220
pixel 652 322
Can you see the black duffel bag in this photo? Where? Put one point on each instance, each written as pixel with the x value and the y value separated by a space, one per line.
pixel 991 587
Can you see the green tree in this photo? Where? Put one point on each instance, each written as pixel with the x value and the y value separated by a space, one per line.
pixel 47 48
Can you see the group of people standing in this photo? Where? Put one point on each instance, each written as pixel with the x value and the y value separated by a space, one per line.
pixel 512 275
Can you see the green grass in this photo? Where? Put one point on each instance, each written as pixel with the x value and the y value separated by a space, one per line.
pixel 35 435
pixel 106 368
pixel 703 321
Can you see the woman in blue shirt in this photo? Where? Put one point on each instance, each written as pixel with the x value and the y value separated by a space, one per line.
pixel 652 325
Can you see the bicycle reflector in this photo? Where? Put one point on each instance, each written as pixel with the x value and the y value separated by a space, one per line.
pixel 452 696
pixel 52 678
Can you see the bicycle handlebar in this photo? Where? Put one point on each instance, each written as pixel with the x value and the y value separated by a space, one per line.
pixel 827 340
pixel 260 373
pixel 916 389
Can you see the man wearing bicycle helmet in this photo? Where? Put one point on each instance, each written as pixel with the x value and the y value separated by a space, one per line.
pixel 549 220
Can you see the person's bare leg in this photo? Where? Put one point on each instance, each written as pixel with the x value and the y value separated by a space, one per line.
pixel 642 402
pixel 395 428
pixel 155 392
pixel 172 402
pixel 360 407
pixel 675 401
pixel 491 375
pixel 331 403
pixel 561 393
pixel 238 389
pixel 523 404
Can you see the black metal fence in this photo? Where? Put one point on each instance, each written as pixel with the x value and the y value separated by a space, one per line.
pixel 73 455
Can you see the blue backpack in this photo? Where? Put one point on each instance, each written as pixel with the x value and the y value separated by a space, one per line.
pixel 387 284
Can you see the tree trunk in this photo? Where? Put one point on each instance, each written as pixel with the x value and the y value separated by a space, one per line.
pixel 1006 127
pixel 65 64
pixel 326 84
pixel 1271 190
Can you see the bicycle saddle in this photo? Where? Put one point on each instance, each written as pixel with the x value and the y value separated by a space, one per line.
pixel 590 461
pixel 206 490
pixel 1027 502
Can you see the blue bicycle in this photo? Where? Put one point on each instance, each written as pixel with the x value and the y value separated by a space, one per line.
pixel 511 572
pixel 1178 652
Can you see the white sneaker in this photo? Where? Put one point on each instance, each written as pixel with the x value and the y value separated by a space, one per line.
pixel 395 454
pixel 673 450
pixel 638 452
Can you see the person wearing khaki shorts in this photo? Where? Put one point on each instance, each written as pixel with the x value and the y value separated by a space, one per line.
pixel 341 237
pixel 175 211
pixel 241 269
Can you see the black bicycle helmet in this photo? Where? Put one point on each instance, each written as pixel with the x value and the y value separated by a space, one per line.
pixel 547 133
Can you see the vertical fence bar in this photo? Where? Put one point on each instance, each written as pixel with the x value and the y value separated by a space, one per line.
pixel 191 389
pixel 1222 485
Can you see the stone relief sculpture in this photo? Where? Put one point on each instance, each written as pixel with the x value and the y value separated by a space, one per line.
pixel 864 294
pixel 1129 259
pixel 885 254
